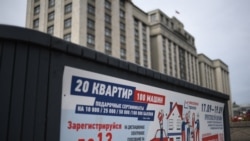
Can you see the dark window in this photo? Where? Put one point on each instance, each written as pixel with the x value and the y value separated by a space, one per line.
pixel 90 39
pixel 68 8
pixel 91 9
pixel 122 39
pixel 67 37
pixel 123 53
pixel 107 5
pixel 122 26
pixel 51 16
pixel 91 24
pixel 37 10
pixel 51 3
pixel 122 14
pixel 107 18
pixel 108 49
pixel 36 23
pixel 107 31
pixel 50 30
pixel 67 23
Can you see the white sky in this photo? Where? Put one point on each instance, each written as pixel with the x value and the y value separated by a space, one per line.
pixel 221 29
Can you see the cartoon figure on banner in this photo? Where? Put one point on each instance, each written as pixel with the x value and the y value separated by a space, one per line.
pixel 183 125
pixel 188 125
pixel 193 128
pixel 161 130
pixel 160 118
pixel 197 131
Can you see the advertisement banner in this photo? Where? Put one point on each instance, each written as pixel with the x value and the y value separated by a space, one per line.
pixel 97 107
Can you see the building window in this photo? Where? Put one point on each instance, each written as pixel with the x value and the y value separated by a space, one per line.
pixel 51 16
pixel 50 30
pixel 107 32
pixel 122 38
pixel 37 10
pixel 136 42
pixel 122 26
pixel 67 23
pixel 107 18
pixel 107 5
pixel 90 39
pixel 137 56
pixel 108 48
pixel 91 24
pixel 122 3
pixel 36 0
pixel 144 28
pixel 36 23
pixel 136 33
pixel 123 53
pixel 68 8
pixel 170 124
pixel 136 23
pixel 145 60
pixel 67 37
pixel 91 9
pixel 153 18
pixel 122 14
pixel 51 3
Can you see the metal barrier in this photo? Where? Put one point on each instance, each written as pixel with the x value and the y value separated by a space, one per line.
pixel 32 70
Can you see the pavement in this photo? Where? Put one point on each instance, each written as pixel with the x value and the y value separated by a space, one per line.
pixel 240 131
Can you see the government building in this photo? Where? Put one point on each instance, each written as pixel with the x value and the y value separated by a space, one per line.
pixel 121 29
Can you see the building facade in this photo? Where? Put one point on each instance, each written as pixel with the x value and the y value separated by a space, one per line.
pixel 173 48
pixel 113 27
pixel 214 74
pixel 121 29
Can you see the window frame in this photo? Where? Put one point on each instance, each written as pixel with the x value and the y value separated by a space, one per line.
pixel 91 9
pixel 68 8
pixel 67 23
pixel 37 10
pixel 90 39
pixel 67 37
pixel 51 3
pixel 51 16
pixel 50 30
pixel 36 23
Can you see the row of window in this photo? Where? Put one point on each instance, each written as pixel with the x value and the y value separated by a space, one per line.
pixel 67 9
pixel 51 3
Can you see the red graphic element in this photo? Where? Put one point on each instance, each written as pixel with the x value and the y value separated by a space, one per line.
pixel 179 109
pixel 209 138
pixel 147 97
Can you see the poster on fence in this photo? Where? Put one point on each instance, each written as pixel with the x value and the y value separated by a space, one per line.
pixel 97 107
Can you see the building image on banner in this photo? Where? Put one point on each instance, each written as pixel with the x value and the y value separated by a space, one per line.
pixel 98 107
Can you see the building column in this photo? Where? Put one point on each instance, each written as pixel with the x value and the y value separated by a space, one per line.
pixel 129 27
pixel 59 19
pixel 197 71
pixel 83 23
pixel 99 28
pixel 177 62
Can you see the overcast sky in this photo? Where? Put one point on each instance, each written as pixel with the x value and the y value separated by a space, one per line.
pixel 221 29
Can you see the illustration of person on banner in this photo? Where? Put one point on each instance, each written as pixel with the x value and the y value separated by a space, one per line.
pixel 188 125
pixel 193 128
pixel 160 118
pixel 197 131
pixel 183 135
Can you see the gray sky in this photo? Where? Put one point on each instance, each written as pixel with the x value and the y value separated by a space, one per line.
pixel 221 29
